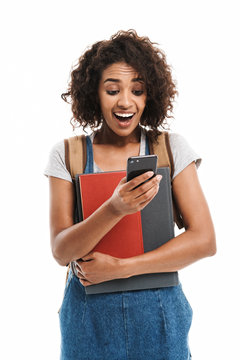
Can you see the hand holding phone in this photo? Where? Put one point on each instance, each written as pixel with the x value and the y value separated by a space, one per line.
pixel 126 201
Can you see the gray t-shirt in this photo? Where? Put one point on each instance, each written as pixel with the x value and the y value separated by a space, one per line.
pixel 183 155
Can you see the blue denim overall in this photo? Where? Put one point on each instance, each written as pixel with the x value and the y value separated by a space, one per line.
pixel 133 325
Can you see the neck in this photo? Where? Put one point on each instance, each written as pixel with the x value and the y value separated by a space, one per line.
pixel 106 136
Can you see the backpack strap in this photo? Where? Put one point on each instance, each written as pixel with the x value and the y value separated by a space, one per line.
pixel 162 149
pixel 75 154
pixel 75 159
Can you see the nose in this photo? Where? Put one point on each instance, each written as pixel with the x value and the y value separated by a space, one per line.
pixel 124 99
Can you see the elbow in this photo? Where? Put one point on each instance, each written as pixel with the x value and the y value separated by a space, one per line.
pixel 60 260
pixel 58 253
pixel 209 247
pixel 213 249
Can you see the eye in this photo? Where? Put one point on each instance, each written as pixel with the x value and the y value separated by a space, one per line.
pixel 138 92
pixel 112 92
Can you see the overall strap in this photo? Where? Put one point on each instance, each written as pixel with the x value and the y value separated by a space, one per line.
pixel 75 154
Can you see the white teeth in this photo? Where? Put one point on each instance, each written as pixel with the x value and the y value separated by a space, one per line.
pixel 124 114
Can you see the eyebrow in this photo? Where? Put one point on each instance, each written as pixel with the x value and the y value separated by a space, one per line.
pixel 117 80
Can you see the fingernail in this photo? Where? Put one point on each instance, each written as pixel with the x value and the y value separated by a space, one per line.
pixel 159 177
pixel 150 173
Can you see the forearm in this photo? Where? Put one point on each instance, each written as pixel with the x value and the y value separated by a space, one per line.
pixel 78 240
pixel 176 254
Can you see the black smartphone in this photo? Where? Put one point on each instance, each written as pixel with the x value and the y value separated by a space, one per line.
pixel 138 165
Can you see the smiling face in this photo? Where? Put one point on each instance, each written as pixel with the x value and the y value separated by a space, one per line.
pixel 122 96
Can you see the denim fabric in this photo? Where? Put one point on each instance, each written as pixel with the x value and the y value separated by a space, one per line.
pixel 133 325
pixel 89 163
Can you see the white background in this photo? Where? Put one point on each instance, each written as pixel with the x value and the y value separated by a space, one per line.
pixel 40 41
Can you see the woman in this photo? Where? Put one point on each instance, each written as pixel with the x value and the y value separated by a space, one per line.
pixel 121 88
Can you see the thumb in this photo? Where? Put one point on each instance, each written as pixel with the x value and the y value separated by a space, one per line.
pixel 123 181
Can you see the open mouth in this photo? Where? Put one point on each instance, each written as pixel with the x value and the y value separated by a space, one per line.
pixel 124 117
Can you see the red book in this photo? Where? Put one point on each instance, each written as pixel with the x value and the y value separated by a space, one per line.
pixel 125 239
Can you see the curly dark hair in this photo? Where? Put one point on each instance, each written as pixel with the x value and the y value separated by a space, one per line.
pixel 142 55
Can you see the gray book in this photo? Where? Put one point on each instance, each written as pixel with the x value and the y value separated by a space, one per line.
pixel 157 228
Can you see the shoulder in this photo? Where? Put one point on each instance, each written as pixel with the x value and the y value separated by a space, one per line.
pixel 183 154
pixel 58 149
pixel 57 152
pixel 178 142
pixel 56 165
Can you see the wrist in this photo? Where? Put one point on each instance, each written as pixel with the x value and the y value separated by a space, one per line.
pixel 113 211
pixel 126 267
